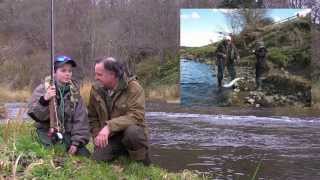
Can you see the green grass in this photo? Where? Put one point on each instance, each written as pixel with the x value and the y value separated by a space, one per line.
pixel 151 73
pixel 21 156
pixel 278 57
pixel 199 52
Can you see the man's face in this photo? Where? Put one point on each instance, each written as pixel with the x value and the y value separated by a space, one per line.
pixel 105 77
pixel 64 73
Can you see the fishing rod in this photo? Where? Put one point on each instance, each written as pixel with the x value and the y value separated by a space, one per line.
pixel 54 131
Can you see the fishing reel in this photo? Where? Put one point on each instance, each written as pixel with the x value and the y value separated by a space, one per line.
pixel 55 136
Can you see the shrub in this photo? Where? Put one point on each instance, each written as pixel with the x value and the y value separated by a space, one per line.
pixel 279 58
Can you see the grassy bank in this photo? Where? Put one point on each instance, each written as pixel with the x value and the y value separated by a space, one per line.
pixel 159 81
pixel 22 157
pixel 10 95
pixel 316 95
pixel 169 93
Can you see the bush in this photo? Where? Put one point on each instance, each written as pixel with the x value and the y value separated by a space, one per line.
pixel 270 40
pixel 303 24
pixel 283 39
pixel 277 57
pixel 150 72
pixel 301 58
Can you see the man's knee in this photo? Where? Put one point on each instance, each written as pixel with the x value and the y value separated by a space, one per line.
pixel 134 137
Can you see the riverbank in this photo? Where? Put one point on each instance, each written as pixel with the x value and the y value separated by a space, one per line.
pixel 279 87
pixel 21 156
pixel 175 107
pixel 169 92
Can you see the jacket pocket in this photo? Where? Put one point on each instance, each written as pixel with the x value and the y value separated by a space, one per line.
pixel 121 108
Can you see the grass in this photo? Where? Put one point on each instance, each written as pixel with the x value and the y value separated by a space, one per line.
pixel 22 157
pixel 9 95
pixel 152 73
pixel 199 52
pixel 85 91
pixel 277 57
pixel 164 92
pixel 256 170
pixel 160 92
pixel 315 91
pixel 161 82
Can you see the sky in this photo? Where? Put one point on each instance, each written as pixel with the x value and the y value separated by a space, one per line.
pixel 199 27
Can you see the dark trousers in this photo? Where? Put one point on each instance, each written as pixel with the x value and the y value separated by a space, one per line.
pixel 261 68
pixel 221 66
pixel 46 141
pixel 131 142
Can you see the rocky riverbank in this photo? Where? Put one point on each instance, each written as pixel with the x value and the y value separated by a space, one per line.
pixel 278 89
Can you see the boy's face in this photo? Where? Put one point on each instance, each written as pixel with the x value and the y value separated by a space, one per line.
pixel 64 73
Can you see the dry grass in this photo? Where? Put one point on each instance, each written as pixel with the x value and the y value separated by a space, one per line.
pixel 164 92
pixel 9 95
pixel 316 95
pixel 12 127
pixel 85 91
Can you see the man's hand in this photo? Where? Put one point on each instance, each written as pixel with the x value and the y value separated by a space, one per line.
pixel 73 149
pixel 51 92
pixel 101 139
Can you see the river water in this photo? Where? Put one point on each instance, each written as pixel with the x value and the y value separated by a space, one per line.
pixel 232 147
pixel 198 85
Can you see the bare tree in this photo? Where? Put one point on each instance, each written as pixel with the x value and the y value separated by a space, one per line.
pixel 127 29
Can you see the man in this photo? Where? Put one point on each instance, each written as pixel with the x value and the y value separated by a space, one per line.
pixel 261 66
pixel 117 114
pixel 226 54
pixel 71 110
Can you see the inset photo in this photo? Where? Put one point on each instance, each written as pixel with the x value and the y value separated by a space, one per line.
pixel 245 57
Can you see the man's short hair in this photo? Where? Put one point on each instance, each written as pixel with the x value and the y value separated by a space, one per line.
pixel 111 64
